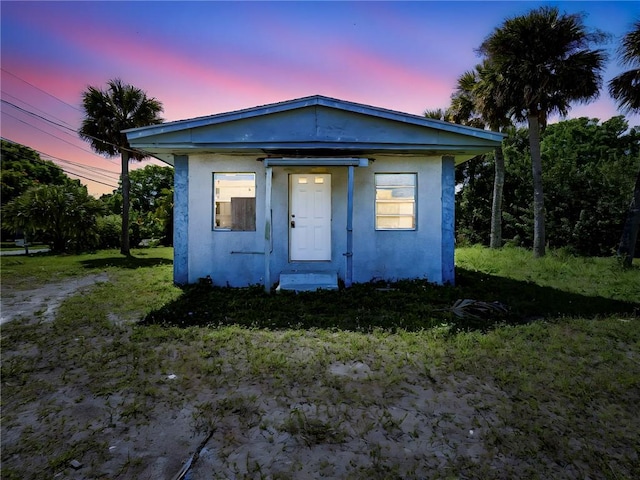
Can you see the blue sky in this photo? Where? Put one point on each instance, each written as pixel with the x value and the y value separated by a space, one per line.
pixel 200 58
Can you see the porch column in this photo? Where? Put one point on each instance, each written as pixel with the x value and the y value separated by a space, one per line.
pixel 181 220
pixel 448 238
pixel 348 281
pixel 267 228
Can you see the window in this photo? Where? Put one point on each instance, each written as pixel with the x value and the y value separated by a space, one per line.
pixel 395 201
pixel 234 201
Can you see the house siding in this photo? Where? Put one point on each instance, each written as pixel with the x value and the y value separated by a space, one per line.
pixel 237 258
pixel 228 257
pixel 398 254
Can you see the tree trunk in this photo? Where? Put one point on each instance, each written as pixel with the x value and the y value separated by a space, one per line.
pixel 496 207
pixel 124 244
pixel 628 241
pixel 538 194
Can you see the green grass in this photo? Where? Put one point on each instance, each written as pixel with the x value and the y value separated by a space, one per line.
pixel 27 272
pixel 554 384
pixel 586 276
pixel 557 285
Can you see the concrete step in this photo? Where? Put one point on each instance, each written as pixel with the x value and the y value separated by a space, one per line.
pixel 308 281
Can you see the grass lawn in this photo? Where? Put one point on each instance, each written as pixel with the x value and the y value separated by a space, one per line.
pixel 134 375
pixel 12 246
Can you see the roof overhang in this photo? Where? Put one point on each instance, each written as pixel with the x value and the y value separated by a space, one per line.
pixel 303 127
pixel 315 162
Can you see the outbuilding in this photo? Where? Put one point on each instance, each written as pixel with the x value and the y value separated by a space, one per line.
pixel 306 192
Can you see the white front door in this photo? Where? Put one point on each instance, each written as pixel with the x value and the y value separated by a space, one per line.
pixel 310 217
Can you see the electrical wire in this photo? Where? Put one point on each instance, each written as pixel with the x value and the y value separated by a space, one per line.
pixel 66 128
pixel 34 107
pixel 98 170
pixel 39 89
pixel 119 147
pixel 48 133
pixel 65 171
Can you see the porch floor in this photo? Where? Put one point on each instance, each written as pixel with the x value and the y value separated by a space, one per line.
pixel 308 281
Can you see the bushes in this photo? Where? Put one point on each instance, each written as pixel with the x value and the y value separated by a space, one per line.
pixel 588 173
pixel 109 231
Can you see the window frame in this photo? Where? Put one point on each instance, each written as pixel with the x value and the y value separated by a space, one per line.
pixel 413 201
pixel 215 191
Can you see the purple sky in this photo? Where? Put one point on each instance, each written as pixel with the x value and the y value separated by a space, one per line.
pixel 200 58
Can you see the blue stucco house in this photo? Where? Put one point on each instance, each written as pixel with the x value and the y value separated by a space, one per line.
pixel 304 192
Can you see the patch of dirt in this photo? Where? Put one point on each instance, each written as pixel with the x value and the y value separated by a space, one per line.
pixel 412 432
pixel 43 301
pixel 83 407
pixel 187 430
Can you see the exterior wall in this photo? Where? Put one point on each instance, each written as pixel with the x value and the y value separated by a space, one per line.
pixel 393 255
pixel 237 258
pixel 233 258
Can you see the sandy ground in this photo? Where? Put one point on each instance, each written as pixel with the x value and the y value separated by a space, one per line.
pixel 42 301
pixel 415 428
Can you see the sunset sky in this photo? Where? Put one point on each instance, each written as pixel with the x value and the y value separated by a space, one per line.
pixel 201 58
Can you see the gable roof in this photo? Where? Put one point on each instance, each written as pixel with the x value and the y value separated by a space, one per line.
pixel 306 126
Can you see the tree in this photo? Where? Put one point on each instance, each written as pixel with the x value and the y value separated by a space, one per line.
pixel 438 114
pixel 474 103
pixel 546 62
pixel 22 168
pixel 109 112
pixel 625 89
pixel 629 238
pixel 149 188
pixel 586 165
pixel 64 215
pixel 164 215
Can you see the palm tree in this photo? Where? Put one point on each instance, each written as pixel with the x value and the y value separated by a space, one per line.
pixel 625 89
pixel 438 114
pixel 546 63
pixel 474 103
pixel 107 113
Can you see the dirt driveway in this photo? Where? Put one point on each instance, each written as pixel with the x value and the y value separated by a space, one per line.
pixel 42 302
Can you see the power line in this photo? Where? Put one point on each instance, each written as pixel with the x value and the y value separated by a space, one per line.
pixel 75 108
pixel 88 167
pixel 66 128
pixel 71 164
pixel 41 90
pixel 63 129
pixel 61 168
pixel 48 133
pixel 29 112
pixel 119 147
pixel 90 179
pixel 33 106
